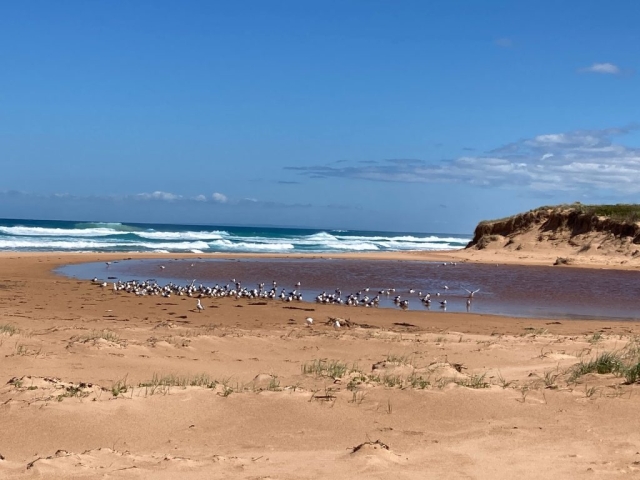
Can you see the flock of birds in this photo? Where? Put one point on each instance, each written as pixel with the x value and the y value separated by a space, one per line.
pixel 362 298
pixel 236 290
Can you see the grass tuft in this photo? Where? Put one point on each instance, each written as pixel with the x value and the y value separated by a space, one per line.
pixel 606 362
pixel 119 387
pixel 324 368
pixel 474 381
pixel 107 335
pixel 8 329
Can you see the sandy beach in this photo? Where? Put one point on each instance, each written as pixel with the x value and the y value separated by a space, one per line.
pixel 97 384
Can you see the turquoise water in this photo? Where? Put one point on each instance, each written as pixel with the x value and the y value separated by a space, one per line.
pixel 41 235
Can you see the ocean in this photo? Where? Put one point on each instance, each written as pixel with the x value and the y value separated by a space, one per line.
pixel 45 235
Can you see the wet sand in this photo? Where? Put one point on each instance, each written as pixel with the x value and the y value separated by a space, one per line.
pixel 96 384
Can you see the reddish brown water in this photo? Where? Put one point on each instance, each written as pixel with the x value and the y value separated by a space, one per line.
pixel 549 292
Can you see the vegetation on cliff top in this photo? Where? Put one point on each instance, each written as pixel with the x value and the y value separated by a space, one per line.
pixel 621 212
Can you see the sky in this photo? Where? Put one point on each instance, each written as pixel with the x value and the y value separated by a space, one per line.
pixel 378 115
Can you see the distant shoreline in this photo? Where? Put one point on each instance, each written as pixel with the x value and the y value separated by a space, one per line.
pixel 537 258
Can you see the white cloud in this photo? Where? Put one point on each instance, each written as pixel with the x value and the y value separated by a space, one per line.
pixel 200 198
pixel 219 197
pixel 158 195
pixel 580 161
pixel 607 68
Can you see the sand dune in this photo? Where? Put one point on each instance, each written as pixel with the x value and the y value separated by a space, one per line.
pixel 95 384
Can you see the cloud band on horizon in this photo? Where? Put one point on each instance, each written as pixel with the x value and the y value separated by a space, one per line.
pixel 571 161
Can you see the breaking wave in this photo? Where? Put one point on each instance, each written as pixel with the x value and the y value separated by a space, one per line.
pixel 120 237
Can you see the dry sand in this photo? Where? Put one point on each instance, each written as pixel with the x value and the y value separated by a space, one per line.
pixel 78 397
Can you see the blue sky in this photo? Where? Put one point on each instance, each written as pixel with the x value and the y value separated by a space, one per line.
pixel 408 116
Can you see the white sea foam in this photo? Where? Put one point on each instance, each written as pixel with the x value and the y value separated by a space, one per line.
pixel 251 246
pixel 355 246
pixel 16 243
pixel 408 238
pixel 58 232
pixel 10 243
pixel 325 240
pixel 174 245
pixel 152 235
pixel 391 245
pixel 320 237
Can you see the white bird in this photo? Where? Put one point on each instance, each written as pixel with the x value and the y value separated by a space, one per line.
pixel 336 324
pixel 162 267
pixel 309 321
pixel 199 306
pixel 443 304
pixel 446 288
pixel 471 293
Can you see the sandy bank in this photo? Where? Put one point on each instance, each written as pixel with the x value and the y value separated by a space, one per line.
pixel 496 255
pixel 94 383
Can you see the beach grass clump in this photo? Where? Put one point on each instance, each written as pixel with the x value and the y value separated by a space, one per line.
pixel 72 391
pixel 178 342
pixel 161 384
pixel 356 381
pixel 327 368
pixel 201 380
pixel 399 359
pixel 503 382
pixel 119 387
pixel 474 381
pixel 550 380
pixel 392 381
pixel 226 389
pixel 606 362
pixel 24 351
pixel 632 373
pixel 107 335
pixel 595 338
pixel 8 329
pixel 621 212
pixel 536 332
pixel 418 382
pixel 630 355
pixel 624 363
pixel 628 213
pixel 274 384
